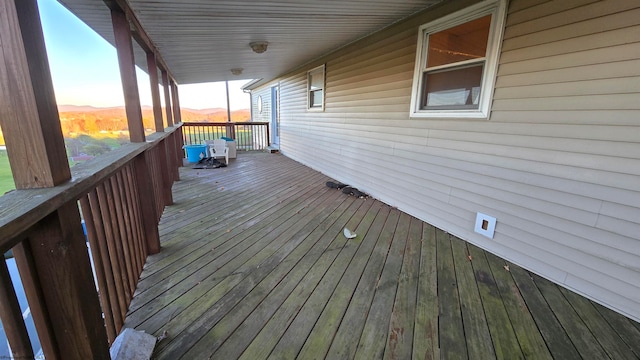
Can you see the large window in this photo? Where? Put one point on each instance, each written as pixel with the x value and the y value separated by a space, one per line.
pixel 456 63
pixel 315 88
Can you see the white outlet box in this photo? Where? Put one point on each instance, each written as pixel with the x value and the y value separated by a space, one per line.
pixel 485 225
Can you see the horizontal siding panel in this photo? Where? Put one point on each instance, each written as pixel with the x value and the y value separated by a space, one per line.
pixel 619 226
pixel 398 100
pixel 587 288
pixel 376 77
pixel 398 46
pixel 562 61
pixel 588 42
pixel 549 251
pixel 393 88
pixel 588 72
pixel 561 18
pixel 623 120
pixel 628 85
pixel 519 5
pixel 541 225
pixel 587 102
pixel 628 213
pixel 577 174
pixel 605 148
pixel 545 10
pixel 399 63
pixel 593 26
pixel 377 108
pixel 572 161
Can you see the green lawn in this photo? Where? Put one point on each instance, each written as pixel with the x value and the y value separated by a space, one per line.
pixel 6 179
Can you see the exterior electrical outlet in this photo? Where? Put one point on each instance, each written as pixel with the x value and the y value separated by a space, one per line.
pixel 485 225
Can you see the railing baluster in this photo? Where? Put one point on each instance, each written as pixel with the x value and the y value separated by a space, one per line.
pixel 119 273
pixel 123 252
pixel 248 135
pixel 11 317
pixel 110 275
pixel 99 268
pixel 135 205
pixel 125 226
pixel 35 298
pixel 131 220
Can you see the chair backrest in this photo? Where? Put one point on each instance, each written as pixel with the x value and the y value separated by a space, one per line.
pixel 219 144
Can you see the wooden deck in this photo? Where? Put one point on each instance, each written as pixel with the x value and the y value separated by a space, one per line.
pixel 254 265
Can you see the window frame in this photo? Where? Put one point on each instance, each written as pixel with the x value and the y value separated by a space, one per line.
pixel 310 106
pixel 497 10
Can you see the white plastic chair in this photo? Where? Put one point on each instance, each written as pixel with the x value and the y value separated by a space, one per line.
pixel 218 148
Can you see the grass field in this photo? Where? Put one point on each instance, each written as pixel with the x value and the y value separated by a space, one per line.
pixel 6 179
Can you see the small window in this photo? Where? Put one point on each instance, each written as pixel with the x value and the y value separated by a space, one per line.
pixel 457 62
pixel 315 88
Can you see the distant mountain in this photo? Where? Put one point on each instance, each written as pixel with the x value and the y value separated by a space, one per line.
pixel 120 109
pixel 76 108
pixel 88 119
pixel 206 111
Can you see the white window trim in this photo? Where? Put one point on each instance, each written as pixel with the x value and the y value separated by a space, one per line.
pixel 324 88
pixel 498 10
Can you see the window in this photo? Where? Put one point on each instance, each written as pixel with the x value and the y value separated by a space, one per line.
pixel 456 63
pixel 315 88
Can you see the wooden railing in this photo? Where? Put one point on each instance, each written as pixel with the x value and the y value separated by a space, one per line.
pixel 247 135
pixel 121 196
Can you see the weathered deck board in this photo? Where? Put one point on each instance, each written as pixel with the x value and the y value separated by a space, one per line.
pixel 254 265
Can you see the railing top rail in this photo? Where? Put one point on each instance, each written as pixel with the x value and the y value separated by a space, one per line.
pixel 21 209
pixel 194 123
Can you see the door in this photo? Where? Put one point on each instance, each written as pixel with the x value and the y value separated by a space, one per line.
pixel 275 115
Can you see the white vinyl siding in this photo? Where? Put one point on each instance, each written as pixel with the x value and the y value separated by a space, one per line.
pixel 265 115
pixel 557 163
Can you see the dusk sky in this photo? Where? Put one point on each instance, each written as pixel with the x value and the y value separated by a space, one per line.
pixel 85 71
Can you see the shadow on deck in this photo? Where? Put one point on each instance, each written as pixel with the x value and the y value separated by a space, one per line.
pixel 254 265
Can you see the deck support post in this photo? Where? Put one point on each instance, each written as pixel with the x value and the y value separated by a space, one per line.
pixel 53 261
pixel 167 160
pixel 28 111
pixel 155 92
pixel 124 48
pixel 177 118
pixel 167 97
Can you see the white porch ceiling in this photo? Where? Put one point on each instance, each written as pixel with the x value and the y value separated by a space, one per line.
pixel 201 40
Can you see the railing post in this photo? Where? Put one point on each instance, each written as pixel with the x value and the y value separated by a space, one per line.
pixel 268 135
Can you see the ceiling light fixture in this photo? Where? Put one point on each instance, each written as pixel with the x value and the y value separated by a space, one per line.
pixel 259 46
pixel 236 71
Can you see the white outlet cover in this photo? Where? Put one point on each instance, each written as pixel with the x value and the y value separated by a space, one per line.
pixel 490 227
